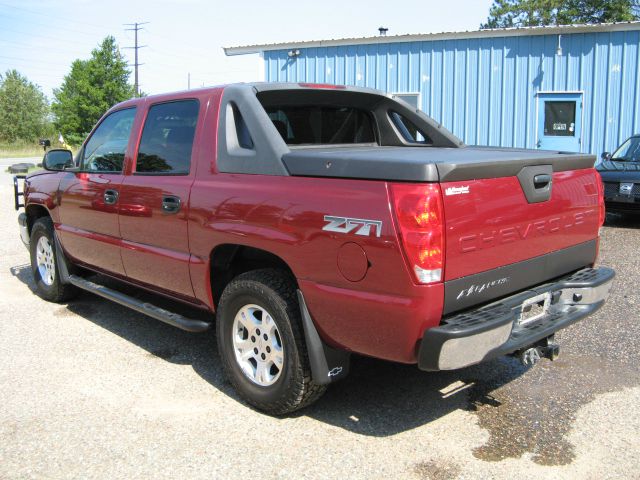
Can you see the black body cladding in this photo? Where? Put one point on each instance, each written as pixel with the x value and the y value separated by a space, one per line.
pixel 249 141
pixel 482 287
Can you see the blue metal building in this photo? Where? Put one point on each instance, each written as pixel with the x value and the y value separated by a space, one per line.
pixel 574 88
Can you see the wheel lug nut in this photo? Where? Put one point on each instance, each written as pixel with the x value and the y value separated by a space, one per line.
pixel 268 349
pixel 263 356
pixel 255 350
pixel 265 336
pixel 253 339
pixel 258 331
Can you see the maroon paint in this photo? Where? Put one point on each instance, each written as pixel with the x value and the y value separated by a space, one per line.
pixel 91 233
pixel 493 225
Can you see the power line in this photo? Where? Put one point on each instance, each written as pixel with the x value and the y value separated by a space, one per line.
pixel 49 50
pixel 136 47
pixel 58 27
pixel 48 15
pixel 37 35
pixel 23 60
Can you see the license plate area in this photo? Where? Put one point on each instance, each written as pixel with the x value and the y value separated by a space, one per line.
pixel 534 308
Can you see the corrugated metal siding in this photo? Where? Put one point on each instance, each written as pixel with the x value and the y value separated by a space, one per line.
pixel 485 90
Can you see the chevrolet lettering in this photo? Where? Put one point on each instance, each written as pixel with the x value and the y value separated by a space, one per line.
pixel 493 238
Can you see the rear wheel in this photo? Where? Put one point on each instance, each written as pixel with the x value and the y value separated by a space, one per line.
pixel 44 263
pixel 261 342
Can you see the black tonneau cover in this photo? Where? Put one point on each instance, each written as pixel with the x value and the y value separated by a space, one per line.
pixel 425 164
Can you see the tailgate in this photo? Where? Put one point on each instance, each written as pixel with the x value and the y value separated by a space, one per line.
pixel 503 237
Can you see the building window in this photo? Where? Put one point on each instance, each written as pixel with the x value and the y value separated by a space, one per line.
pixel 559 118
pixel 412 99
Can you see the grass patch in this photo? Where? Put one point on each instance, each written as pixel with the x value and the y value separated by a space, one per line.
pixel 22 149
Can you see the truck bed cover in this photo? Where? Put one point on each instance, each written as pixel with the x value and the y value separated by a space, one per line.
pixel 424 164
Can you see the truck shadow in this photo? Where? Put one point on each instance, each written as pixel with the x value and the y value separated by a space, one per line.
pixel 623 220
pixel 378 398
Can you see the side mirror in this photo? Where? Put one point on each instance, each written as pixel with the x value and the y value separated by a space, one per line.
pixel 605 156
pixel 57 160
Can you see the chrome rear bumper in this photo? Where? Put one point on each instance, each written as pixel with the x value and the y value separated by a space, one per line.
pixel 496 329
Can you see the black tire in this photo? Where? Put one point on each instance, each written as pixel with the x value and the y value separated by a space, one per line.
pixel 275 292
pixel 53 291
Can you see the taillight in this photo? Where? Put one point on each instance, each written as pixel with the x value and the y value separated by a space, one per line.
pixel 420 220
pixel 601 209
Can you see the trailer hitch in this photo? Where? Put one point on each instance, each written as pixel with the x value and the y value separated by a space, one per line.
pixel 546 348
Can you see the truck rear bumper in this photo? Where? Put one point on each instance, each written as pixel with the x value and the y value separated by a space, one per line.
pixel 500 328
pixel 24 230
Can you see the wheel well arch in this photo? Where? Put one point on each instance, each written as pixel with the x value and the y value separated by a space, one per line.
pixel 34 212
pixel 230 260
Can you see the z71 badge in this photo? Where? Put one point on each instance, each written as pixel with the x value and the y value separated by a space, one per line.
pixel 347 225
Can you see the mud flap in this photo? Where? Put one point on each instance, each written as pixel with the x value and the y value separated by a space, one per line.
pixel 328 364
pixel 63 268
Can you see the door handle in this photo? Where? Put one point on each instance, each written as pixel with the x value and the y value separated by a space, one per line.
pixel 110 197
pixel 541 180
pixel 170 204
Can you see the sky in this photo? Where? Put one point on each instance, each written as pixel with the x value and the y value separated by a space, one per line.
pixel 41 38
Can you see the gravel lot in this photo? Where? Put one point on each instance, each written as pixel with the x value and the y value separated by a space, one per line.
pixel 92 390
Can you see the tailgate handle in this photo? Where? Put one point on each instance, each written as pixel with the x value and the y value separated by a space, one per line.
pixel 542 180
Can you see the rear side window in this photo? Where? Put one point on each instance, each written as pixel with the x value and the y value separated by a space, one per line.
pixel 104 152
pixel 313 124
pixel 167 138
pixel 409 132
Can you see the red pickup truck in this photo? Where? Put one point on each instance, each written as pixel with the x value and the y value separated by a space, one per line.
pixel 316 221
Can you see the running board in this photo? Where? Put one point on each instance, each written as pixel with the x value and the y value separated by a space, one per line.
pixel 174 319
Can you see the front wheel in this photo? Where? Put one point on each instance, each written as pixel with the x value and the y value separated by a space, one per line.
pixel 44 263
pixel 261 342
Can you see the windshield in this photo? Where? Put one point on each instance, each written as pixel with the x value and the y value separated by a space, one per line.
pixel 629 151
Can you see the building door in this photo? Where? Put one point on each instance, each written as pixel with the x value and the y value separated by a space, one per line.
pixel 560 121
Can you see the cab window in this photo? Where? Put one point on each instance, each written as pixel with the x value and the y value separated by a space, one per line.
pixel 104 151
pixel 321 124
pixel 167 139
pixel 408 130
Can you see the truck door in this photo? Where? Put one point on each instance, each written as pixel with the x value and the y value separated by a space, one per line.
pixel 154 199
pixel 88 199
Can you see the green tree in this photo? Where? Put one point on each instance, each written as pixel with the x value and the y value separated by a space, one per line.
pixel 90 89
pixel 526 13
pixel 23 108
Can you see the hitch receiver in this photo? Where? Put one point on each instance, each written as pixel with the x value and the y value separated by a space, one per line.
pixel 546 348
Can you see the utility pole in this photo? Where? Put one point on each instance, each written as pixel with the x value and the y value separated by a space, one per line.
pixel 136 26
